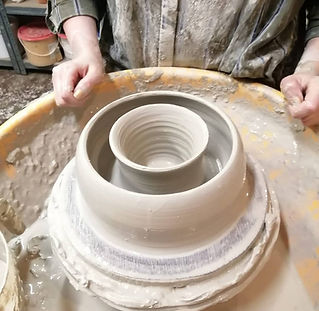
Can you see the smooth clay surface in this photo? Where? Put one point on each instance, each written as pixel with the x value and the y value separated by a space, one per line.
pixel 159 149
pixel 37 143
pixel 192 248
pixel 164 223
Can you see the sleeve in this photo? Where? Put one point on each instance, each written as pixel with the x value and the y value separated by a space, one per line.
pixel 313 20
pixel 59 11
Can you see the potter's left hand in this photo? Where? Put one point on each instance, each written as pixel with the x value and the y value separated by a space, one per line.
pixel 301 89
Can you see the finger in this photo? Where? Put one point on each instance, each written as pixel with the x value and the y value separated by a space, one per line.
pixel 64 79
pixel 86 84
pixel 312 102
pixel 292 88
pixel 300 111
pixel 60 85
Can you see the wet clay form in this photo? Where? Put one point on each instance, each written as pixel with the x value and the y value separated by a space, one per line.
pixel 159 149
pixel 11 295
pixel 161 207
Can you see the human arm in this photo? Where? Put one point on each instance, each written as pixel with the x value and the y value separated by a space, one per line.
pixel 79 19
pixel 301 89
pixel 73 80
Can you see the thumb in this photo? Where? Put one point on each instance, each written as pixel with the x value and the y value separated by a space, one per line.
pixel 292 88
pixel 300 111
pixel 310 106
pixel 309 109
pixel 86 84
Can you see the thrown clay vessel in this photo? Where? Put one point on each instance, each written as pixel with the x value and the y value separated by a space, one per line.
pixel 159 149
pixel 161 222
pixel 10 284
pixel 122 238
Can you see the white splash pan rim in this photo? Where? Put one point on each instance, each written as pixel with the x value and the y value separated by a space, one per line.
pixel 150 262
pixel 255 258
pixel 159 170
pixel 84 136
pixel 4 280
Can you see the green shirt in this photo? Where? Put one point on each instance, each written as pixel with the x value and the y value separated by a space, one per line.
pixel 244 38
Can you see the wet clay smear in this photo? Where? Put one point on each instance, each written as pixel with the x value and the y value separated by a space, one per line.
pixel 289 159
pixel 17 90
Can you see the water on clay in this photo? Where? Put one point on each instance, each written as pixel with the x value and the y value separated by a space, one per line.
pixel 46 288
pixel 277 286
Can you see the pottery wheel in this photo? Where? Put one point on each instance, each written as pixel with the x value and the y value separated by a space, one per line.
pixel 204 260
pixel 179 279
pixel 96 266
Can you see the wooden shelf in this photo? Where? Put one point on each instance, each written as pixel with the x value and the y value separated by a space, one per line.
pixel 27 7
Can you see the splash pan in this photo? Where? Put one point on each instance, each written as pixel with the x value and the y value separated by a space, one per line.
pixel 178 250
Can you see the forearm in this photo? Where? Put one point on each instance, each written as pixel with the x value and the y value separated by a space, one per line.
pixel 73 80
pixel 309 62
pixel 59 11
pixel 81 32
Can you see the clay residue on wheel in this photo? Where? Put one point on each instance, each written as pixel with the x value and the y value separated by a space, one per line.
pixel 289 159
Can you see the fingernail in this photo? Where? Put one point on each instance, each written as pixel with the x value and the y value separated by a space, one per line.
pixel 79 94
pixel 285 88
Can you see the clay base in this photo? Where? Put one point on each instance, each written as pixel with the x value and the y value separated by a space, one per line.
pixel 125 279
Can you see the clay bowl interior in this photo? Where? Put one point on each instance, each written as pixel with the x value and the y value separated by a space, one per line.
pixel 172 220
pixel 159 149
pixel 98 149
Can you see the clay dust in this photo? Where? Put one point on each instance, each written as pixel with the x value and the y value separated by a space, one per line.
pixel 289 160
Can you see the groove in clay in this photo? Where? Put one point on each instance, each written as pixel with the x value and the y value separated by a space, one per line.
pixel 190 247
pixel 164 218
pixel 157 147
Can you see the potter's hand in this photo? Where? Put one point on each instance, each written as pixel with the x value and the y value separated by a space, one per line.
pixel 301 89
pixel 74 79
pixel 302 93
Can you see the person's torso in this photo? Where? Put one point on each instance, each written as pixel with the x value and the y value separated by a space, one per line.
pixel 245 38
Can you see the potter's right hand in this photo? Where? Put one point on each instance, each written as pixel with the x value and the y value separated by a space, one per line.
pixel 74 79
pixel 301 88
